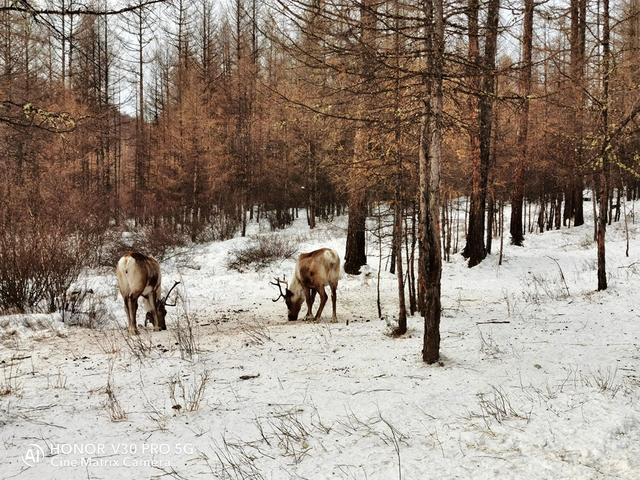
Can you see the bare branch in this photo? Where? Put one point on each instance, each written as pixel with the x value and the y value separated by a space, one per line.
pixel 22 6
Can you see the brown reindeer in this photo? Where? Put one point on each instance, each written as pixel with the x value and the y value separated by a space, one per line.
pixel 313 272
pixel 139 276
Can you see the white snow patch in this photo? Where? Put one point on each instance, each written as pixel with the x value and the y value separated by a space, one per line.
pixel 30 326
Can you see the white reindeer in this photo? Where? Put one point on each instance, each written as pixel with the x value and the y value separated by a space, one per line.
pixel 139 276
pixel 314 270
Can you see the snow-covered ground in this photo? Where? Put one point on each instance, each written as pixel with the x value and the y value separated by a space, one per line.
pixel 550 392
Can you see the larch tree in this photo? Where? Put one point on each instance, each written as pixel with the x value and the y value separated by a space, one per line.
pixel 517 193
pixel 430 159
pixel 475 249
pixel 355 250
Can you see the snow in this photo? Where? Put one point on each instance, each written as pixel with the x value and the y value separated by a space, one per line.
pixel 35 326
pixel 553 393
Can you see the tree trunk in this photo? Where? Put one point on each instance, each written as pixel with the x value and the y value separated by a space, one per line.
pixel 312 185
pixel 430 156
pixel 603 173
pixel 475 248
pixel 473 71
pixel 355 254
pixel 411 274
pixel 397 240
pixel 489 229
pixel 577 41
pixel 517 196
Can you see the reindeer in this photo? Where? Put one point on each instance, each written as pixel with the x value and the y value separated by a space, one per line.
pixel 139 276
pixel 313 272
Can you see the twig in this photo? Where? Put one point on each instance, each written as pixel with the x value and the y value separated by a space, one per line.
pixel 561 275
pixel 629 266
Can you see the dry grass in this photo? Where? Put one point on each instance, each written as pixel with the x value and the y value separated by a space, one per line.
pixel 185 332
pixel 9 382
pixel 112 405
pixel 83 308
pixel 188 394
pixel 58 381
pixel 139 346
pixel 256 332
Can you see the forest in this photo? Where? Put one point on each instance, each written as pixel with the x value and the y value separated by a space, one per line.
pixel 191 118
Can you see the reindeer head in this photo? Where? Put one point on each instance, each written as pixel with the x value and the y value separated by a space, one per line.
pixel 161 305
pixel 293 303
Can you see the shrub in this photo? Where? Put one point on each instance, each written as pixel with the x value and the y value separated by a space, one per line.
pixel 151 240
pixel 279 219
pixel 47 234
pixel 38 263
pixel 83 308
pixel 261 252
pixel 221 226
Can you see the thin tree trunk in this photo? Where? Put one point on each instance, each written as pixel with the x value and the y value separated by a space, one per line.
pixel 355 255
pixel 475 249
pixel 603 174
pixel 490 215
pixel 517 196
pixel 474 73
pixel 430 156
pixel 501 232
pixel 411 275
pixel 402 308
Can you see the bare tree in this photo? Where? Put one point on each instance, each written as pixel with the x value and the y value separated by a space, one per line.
pixel 517 195
pixel 475 248
pixel 429 181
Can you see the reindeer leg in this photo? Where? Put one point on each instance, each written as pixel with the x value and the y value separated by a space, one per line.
pixel 333 302
pixel 133 310
pixel 309 296
pixel 150 302
pixel 323 300
pixel 126 309
pixel 147 316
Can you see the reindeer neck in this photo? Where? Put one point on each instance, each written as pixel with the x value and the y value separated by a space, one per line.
pixel 295 286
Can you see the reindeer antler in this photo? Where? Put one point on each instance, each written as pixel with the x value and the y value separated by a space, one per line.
pixel 278 283
pixel 166 297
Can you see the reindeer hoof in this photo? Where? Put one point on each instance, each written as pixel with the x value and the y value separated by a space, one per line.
pixel 133 331
pixel 309 318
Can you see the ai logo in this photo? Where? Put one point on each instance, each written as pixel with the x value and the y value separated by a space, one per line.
pixel 33 455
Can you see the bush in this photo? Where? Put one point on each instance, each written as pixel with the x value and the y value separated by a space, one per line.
pixel 221 226
pixel 261 252
pixel 81 307
pixel 38 263
pixel 279 219
pixel 158 240
pixel 150 240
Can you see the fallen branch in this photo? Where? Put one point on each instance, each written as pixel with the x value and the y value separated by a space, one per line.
pixel 629 266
